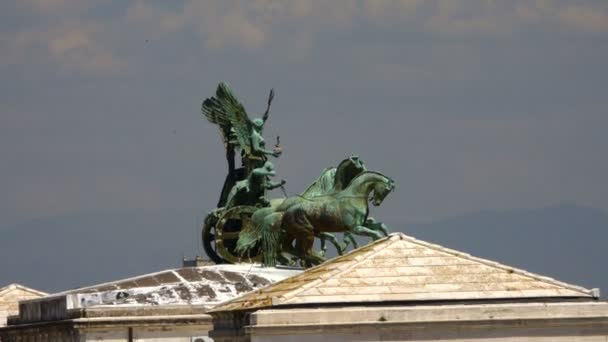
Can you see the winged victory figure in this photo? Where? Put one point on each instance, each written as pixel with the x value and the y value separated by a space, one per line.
pixel 239 133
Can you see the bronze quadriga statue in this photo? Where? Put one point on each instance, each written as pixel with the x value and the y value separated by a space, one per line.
pixel 247 226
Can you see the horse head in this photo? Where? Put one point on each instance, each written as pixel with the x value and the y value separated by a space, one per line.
pixel 381 188
pixel 357 162
pixel 347 170
pixel 371 185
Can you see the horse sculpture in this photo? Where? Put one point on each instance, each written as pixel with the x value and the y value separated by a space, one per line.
pixel 301 219
pixel 332 180
pixel 246 222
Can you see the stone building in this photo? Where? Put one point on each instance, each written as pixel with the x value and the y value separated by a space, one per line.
pixel 403 289
pixel 395 289
pixel 167 306
pixel 9 299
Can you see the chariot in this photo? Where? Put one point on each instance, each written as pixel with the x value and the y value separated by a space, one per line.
pixel 246 226
pixel 221 227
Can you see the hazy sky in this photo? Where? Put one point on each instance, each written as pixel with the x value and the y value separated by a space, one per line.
pixel 468 105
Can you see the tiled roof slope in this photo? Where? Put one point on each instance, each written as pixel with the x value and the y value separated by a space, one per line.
pixel 402 268
pixel 205 285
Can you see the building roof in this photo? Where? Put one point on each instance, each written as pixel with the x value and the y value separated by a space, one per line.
pixel 204 285
pixel 404 269
pixel 14 286
pixel 170 292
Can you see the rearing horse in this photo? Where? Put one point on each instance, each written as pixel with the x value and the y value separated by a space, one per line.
pixel 300 218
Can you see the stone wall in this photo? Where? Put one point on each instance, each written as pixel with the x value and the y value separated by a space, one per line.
pixel 109 332
pixel 512 332
pixel 136 323
pixel 142 333
pixel 9 301
pixel 500 322
pixel 41 334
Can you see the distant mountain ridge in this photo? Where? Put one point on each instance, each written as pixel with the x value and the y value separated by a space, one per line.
pixel 59 253
pixel 566 242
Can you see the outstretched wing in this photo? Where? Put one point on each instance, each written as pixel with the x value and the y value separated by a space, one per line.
pixel 227 112
pixel 215 111
pixel 241 131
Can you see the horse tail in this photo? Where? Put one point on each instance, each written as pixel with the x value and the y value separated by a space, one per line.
pixel 270 232
pixel 249 237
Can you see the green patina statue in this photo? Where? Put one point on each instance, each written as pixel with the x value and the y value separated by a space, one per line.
pixel 248 226
pixel 252 190
pixel 238 133
pixel 300 219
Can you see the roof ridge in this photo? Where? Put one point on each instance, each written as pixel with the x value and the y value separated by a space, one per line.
pixel 323 283
pixel 110 282
pixel 374 248
pixel 21 287
pixel 87 287
pixel 275 300
pixel 495 264
pixel 7 287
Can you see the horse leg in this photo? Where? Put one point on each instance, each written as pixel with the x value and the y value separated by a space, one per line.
pixel 305 240
pixel 290 251
pixel 362 230
pixel 295 226
pixel 351 239
pixel 377 226
pixel 328 236
pixel 287 251
pixel 313 260
pixel 304 234
pixel 307 256
pixel 323 246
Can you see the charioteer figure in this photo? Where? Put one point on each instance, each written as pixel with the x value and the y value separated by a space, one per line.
pixel 251 191
pixel 239 133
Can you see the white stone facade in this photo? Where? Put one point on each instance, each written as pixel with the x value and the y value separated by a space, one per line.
pixel 165 306
pixel 177 328
pixel 9 299
pixel 395 289
pixel 403 289
pixel 556 322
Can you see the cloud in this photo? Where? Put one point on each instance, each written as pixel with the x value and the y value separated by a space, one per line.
pixel 450 18
pixel 384 9
pixel 68 41
pixel 71 47
pixel 253 25
pixel 496 18
pixel 585 18
pixel 60 33
pixel 333 62
pixel 220 25
pixel 48 5
pixel 76 48
pixel 79 48
pixel 234 28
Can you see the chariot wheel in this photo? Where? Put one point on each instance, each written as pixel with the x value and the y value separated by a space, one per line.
pixel 209 236
pixel 221 233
